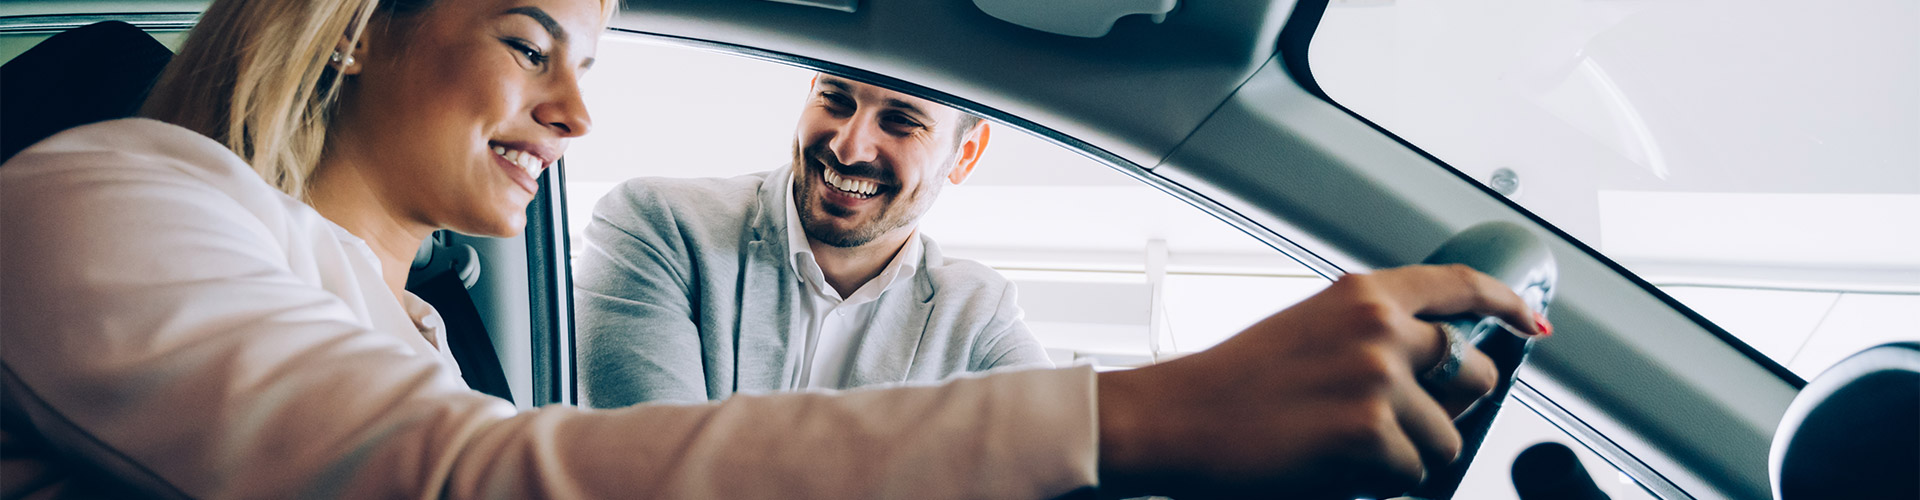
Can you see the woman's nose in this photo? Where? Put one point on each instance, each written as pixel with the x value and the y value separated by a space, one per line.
pixel 566 112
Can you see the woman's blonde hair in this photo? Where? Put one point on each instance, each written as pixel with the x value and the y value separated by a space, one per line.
pixel 256 76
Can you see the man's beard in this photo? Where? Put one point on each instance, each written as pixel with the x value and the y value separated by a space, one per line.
pixel 814 212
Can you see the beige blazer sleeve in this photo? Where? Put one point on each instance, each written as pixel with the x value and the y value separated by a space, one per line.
pixel 164 332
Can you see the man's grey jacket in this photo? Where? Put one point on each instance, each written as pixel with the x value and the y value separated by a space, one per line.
pixel 683 292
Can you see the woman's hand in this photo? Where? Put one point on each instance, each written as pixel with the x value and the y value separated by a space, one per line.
pixel 1321 400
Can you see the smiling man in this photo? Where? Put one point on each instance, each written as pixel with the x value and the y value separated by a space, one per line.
pixel 810 276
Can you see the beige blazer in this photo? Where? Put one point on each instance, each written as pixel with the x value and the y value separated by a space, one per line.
pixel 173 327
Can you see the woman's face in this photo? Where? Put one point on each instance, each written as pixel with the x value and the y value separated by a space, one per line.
pixel 451 113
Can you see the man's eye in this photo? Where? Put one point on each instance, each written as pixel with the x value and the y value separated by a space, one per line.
pixel 837 100
pixel 904 122
pixel 527 50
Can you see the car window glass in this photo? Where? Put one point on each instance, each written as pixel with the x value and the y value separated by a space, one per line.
pixel 1102 263
pixel 1754 160
pixel 1518 428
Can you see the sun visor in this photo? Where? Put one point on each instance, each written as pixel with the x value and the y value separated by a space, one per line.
pixel 1081 18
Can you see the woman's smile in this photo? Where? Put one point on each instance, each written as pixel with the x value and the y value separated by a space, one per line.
pixel 521 166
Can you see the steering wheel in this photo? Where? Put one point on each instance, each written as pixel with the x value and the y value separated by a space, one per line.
pixel 1515 256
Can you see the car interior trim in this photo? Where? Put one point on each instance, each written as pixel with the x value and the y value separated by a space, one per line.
pixel 549 286
pixel 148 21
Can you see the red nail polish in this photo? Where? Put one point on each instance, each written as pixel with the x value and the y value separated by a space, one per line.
pixel 1540 323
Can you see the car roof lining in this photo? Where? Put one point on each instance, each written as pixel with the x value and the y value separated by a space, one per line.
pixel 1109 92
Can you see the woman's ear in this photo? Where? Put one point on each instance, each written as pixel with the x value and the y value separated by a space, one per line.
pixel 971 148
pixel 349 56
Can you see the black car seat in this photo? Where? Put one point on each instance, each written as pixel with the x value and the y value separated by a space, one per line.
pixel 96 72
pixel 1854 431
pixel 103 71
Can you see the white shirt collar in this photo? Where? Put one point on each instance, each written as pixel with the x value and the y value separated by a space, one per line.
pixel 422 316
pixel 800 259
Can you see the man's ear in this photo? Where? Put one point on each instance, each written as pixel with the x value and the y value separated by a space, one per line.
pixel 971 147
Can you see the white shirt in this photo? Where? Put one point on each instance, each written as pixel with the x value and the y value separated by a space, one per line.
pixel 176 328
pixel 835 324
pixel 427 321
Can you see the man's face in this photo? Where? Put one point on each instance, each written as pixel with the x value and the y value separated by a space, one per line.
pixel 869 161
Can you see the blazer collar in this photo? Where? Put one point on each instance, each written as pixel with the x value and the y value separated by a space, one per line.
pixel 769 217
pixel 930 257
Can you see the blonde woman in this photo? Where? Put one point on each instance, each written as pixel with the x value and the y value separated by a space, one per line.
pixel 176 327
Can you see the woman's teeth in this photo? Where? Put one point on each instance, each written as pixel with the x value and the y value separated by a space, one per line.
pixel 526 161
pixel 857 188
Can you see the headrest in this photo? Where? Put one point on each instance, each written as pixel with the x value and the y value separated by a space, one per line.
pixel 96 72
pixel 1854 431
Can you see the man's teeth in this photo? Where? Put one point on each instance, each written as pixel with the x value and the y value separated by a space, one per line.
pixel 527 161
pixel 856 187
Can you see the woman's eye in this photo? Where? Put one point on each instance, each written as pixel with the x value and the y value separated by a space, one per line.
pixel 527 50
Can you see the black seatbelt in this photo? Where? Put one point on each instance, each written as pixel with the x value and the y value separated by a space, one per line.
pixel 467 336
pixel 441 273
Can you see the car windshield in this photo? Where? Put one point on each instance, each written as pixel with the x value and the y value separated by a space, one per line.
pixel 1756 160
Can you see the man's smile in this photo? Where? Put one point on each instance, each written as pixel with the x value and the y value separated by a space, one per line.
pixel 853 187
pixel 841 193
